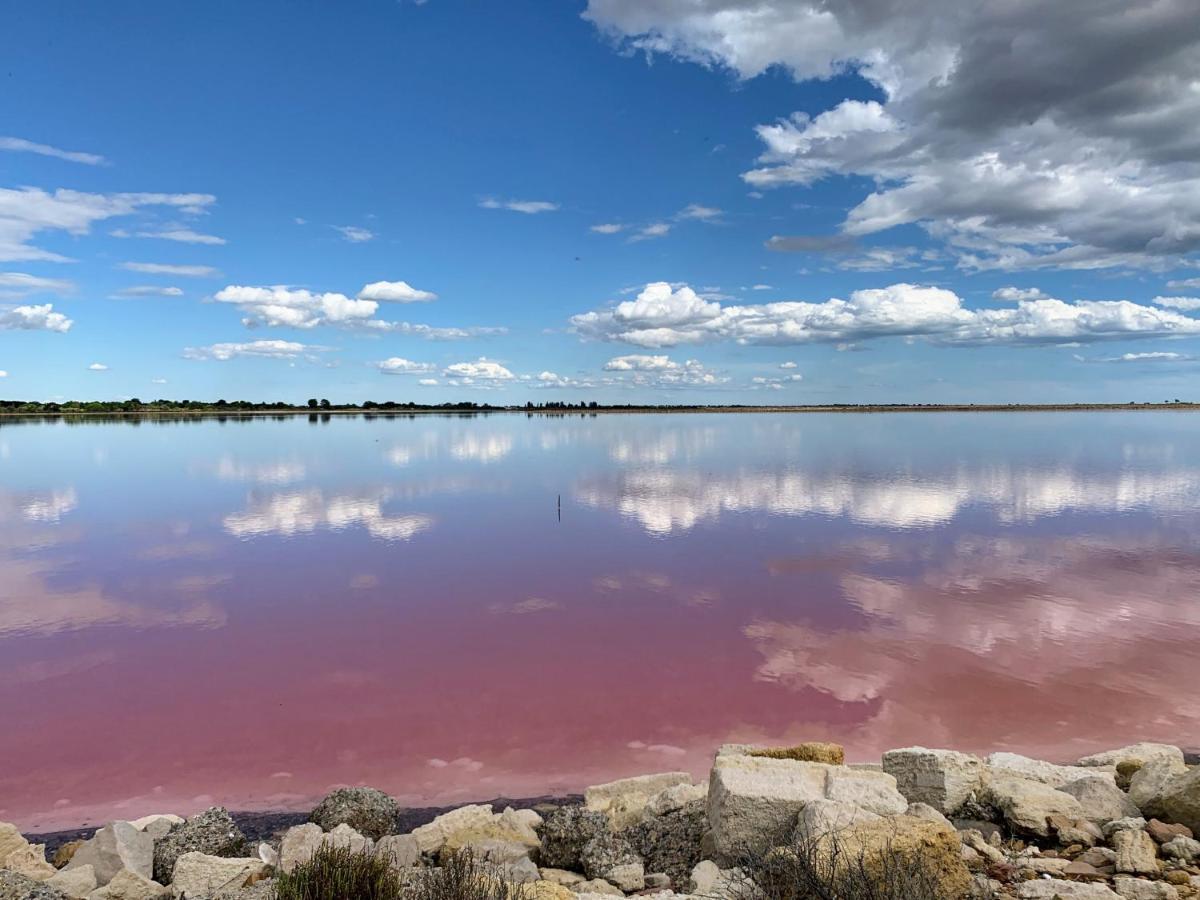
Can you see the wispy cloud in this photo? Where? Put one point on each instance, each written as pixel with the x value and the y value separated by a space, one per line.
pixel 698 213
pixel 148 290
pixel 529 207
pixel 186 271
pixel 254 350
pixel 25 212
pixel 20 145
pixel 649 232
pixel 354 234
pixel 20 284
pixel 1155 356
pixel 183 236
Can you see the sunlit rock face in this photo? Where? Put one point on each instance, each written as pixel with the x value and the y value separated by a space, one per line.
pixel 395 591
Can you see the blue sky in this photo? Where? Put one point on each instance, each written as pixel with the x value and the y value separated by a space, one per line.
pixel 733 201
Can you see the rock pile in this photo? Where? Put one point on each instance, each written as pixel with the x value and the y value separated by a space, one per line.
pixel 1120 824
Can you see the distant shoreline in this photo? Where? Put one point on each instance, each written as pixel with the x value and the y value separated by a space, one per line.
pixel 405 411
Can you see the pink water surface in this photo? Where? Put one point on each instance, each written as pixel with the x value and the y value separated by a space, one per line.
pixel 252 613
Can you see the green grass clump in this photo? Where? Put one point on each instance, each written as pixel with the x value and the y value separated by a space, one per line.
pixel 337 873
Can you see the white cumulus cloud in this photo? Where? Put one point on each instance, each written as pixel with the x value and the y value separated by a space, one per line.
pixel 397 365
pixel 1019 135
pixel 34 318
pixel 663 316
pixel 482 372
pixel 395 292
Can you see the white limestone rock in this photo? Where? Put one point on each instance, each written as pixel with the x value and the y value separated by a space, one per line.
pixel 75 883
pixel 1057 889
pixel 11 840
pixel 1002 764
pixel 1151 780
pixel 624 801
pixel 127 885
pixel 1185 849
pixel 1101 799
pixel 873 791
pixel 198 875
pixel 344 837
pixel 1178 800
pixel 754 801
pixel 299 844
pixel 113 848
pixel 944 779
pixel 1143 753
pixel 1026 804
pixel 432 836
pixel 403 850
pixel 1140 889
pixel 158 824
pixel 1137 854
pixel 30 861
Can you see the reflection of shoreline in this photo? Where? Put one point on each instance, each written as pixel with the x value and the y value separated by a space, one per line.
pixel 839 409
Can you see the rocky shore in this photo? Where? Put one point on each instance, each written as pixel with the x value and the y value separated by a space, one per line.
pixel 1119 824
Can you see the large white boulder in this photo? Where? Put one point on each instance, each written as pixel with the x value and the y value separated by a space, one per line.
pixel 198 875
pixel 433 836
pixel 1151 780
pixel 624 801
pixel 1141 753
pixel 113 848
pixel 754 801
pixel 1102 801
pixel 1026 804
pixel 1048 773
pixel 299 844
pixel 1178 800
pixel 944 779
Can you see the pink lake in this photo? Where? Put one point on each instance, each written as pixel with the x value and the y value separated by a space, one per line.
pixel 250 613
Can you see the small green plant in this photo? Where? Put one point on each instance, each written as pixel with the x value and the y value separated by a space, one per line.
pixel 464 877
pixel 337 873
